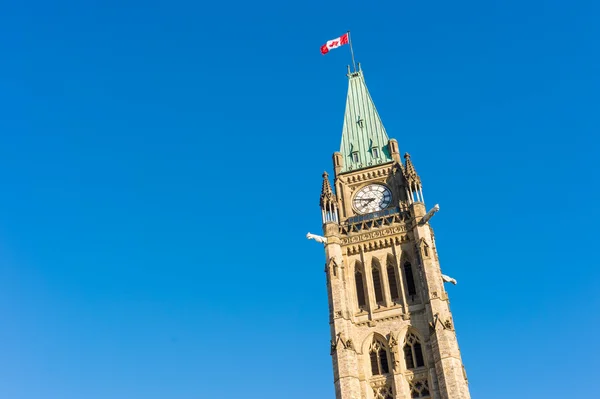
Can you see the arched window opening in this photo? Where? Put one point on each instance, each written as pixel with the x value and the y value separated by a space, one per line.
pixel 379 358
pixel 360 290
pixel 419 389
pixel 413 352
pixel 391 272
pixel 374 363
pixel 377 285
pixel 383 360
pixel 410 280
pixel 408 357
pixel 418 355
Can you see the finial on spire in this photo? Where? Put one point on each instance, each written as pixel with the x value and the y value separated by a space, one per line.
pixel 326 191
pixel 413 181
pixel 409 171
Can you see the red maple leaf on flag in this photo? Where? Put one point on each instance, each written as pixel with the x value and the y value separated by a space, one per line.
pixel 335 43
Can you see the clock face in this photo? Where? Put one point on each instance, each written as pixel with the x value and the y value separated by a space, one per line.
pixel 372 198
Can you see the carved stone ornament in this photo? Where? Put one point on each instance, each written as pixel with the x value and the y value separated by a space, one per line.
pixel 393 345
pixel 392 342
pixel 349 345
pixel 417 375
pixel 448 324
pixel 317 238
pixel 374 234
pixel 374 245
pixel 346 344
pixel 362 177
pixel 333 266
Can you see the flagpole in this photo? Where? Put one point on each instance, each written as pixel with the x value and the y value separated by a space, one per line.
pixel 351 51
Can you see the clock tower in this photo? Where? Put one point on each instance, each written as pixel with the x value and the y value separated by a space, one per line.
pixel 392 333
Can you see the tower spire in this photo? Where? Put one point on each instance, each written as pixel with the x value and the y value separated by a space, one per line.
pixel 364 139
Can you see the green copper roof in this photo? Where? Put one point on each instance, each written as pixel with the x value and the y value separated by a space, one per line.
pixel 363 133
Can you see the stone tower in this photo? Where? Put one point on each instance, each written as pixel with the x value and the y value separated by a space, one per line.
pixel 392 334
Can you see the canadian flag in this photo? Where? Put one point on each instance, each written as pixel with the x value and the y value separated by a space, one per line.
pixel 334 43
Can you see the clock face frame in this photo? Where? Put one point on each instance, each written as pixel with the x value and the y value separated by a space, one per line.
pixel 372 198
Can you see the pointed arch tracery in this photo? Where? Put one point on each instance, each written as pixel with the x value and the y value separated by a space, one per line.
pixel 378 355
pixel 413 351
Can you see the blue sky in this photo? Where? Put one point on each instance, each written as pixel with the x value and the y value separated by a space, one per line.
pixel 160 165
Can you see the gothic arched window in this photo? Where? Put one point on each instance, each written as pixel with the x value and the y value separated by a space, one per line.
pixel 410 280
pixel 379 358
pixel 413 352
pixel 360 290
pixel 391 273
pixel 377 282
